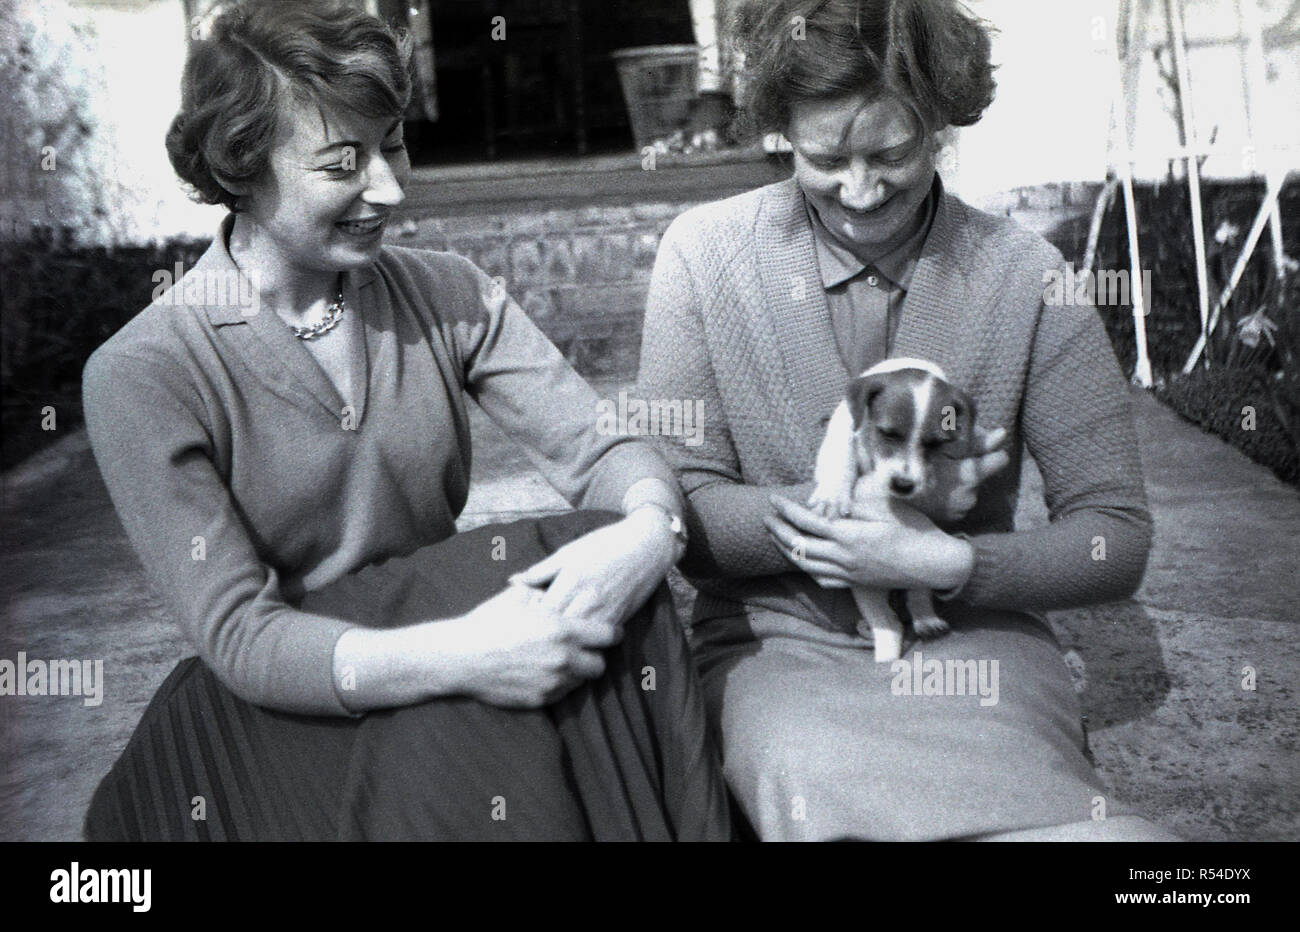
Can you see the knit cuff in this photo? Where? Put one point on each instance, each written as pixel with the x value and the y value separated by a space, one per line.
pixel 986 574
pixel 654 491
pixel 947 595
pixel 312 690
pixel 621 475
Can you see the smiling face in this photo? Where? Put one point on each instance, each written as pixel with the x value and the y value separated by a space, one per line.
pixel 322 205
pixel 865 164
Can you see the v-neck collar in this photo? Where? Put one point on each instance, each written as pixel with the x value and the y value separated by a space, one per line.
pixel 274 353
pixel 948 293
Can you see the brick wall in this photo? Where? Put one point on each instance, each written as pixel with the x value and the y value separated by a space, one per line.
pixel 1059 212
pixel 581 274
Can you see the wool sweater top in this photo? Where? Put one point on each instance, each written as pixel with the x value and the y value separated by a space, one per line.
pixel 736 318
pixel 242 481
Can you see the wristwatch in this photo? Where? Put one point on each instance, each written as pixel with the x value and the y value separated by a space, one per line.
pixel 675 522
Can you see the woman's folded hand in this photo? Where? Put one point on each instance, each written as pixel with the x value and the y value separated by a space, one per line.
pixel 529 644
pixel 605 576
pixel 520 653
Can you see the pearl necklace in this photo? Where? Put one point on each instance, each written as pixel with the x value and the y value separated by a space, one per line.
pixel 331 320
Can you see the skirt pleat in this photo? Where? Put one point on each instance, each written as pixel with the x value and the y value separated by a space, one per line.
pixel 612 760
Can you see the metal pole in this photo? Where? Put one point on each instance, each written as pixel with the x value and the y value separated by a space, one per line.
pixel 1127 96
pixel 1256 92
pixel 1173 9
pixel 1267 210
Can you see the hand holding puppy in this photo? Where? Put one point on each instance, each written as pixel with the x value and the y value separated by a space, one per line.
pixel 901 451
pixel 892 527
pixel 953 495
pixel 895 547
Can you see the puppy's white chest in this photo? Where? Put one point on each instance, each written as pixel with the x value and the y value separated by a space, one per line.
pixel 871 495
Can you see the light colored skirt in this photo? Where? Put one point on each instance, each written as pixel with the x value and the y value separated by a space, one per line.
pixel 820 742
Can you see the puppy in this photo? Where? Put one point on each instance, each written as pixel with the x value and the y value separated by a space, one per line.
pixel 896 438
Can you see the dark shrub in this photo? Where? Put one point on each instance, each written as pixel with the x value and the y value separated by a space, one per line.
pixel 60 303
pixel 1215 400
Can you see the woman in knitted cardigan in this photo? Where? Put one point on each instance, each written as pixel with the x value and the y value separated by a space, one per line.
pixel 762 307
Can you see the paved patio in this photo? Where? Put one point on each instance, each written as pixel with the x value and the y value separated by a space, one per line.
pixel 1173 729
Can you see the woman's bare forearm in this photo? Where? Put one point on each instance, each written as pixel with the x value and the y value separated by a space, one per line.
pixel 386 668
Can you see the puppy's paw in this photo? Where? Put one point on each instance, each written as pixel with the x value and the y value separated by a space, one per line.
pixel 822 506
pixel 930 626
pixel 830 503
pixel 887 654
pixel 888 645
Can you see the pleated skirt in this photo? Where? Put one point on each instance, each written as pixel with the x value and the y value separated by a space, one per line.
pixel 626 757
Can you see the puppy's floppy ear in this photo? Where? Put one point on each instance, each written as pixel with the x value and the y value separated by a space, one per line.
pixel 963 405
pixel 862 392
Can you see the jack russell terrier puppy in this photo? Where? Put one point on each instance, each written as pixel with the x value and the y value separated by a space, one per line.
pixel 887 443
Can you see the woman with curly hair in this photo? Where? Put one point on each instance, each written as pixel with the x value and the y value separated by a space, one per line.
pixel 285 438
pixel 763 306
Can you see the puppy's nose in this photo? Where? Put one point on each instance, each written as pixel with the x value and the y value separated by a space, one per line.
pixel 902 485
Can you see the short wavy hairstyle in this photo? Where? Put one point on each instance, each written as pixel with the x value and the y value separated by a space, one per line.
pixel 259 55
pixel 934 54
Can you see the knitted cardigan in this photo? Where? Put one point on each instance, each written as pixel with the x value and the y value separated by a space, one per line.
pixel 737 318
